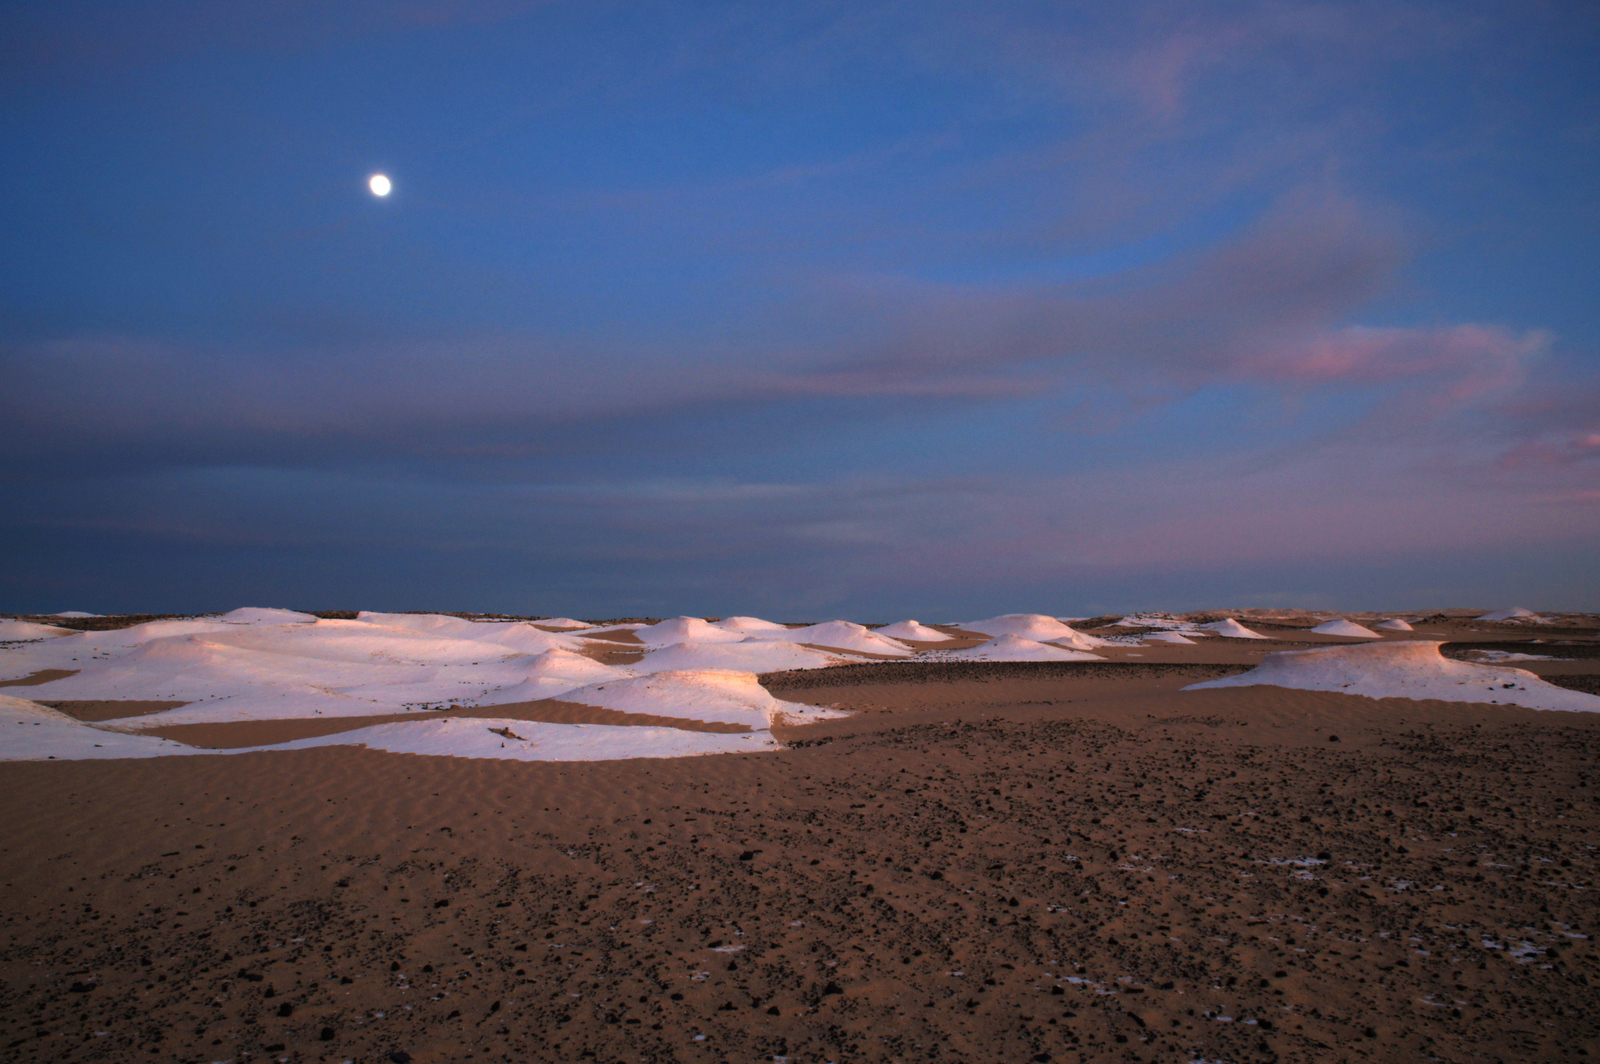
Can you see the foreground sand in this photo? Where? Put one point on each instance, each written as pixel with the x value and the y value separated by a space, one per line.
pixel 1000 864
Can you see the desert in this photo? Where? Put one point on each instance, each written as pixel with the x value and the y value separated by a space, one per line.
pixel 267 835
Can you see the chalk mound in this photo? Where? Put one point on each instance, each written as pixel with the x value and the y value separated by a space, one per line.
pixel 260 615
pixel 748 625
pixel 1405 669
pixel 840 635
pixel 521 740
pixel 1231 629
pixel 1166 637
pixel 552 674
pixel 1394 624
pixel 1035 627
pixel 22 631
pixel 751 655
pixel 31 732
pixel 912 630
pixel 714 696
pixel 1349 629
pixel 1016 648
pixel 564 623
pixel 685 630
pixel 78 614
pixel 1515 613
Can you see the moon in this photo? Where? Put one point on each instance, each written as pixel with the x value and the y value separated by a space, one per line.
pixel 380 185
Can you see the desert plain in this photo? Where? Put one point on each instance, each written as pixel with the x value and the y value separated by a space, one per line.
pixel 956 848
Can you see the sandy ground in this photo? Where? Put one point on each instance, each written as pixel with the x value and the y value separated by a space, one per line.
pixel 996 863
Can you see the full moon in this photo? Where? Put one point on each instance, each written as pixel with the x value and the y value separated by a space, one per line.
pixel 379 184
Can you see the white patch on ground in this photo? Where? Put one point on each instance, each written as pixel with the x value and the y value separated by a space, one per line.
pixel 1166 637
pixel 1498 656
pixel 1394 624
pixel 1405 669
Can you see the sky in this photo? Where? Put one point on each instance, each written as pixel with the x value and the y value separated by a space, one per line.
pixel 866 309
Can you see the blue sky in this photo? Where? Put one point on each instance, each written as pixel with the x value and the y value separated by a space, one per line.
pixel 839 309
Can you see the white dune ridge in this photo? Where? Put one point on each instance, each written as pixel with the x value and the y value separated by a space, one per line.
pixel 686 630
pixel 750 624
pixel 521 740
pixel 1394 624
pixel 1166 637
pixel 1515 613
pixel 748 655
pixel 1405 669
pixel 31 732
pixel 840 635
pixel 915 632
pixel 20 631
pixel 1016 648
pixel 1036 627
pixel 1348 629
pixel 1230 628
pixel 720 696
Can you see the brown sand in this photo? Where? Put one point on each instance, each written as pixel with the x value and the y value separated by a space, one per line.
pixel 235 735
pixel 96 711
pixel 43 676
pixel 1063 862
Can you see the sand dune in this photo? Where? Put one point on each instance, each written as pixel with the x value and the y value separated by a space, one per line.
pixel 915 632
pixel 28 630
pixel 1349 629
pixel 1016 648
pixel 1231 629
pixel 1515 613
pixel 1410 669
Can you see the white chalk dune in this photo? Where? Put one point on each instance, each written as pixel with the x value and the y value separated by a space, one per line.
pixel 840 635
pixel 31 732
pixel 257 664
pixel 75 613
pixel 532 741
pixel 1349 629
pixel 566 623
pixel 28 630
pixel 1405 669
pixel 747 625
pixel 1016 648
pixel 1394 624
pixel 1166 637
pixel 751 655
pixel 1035 627
pixel 917 633
pixel 1231 629
pixel 1515 613
pixel 259 615
pixel 711 695
pixel 685 630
